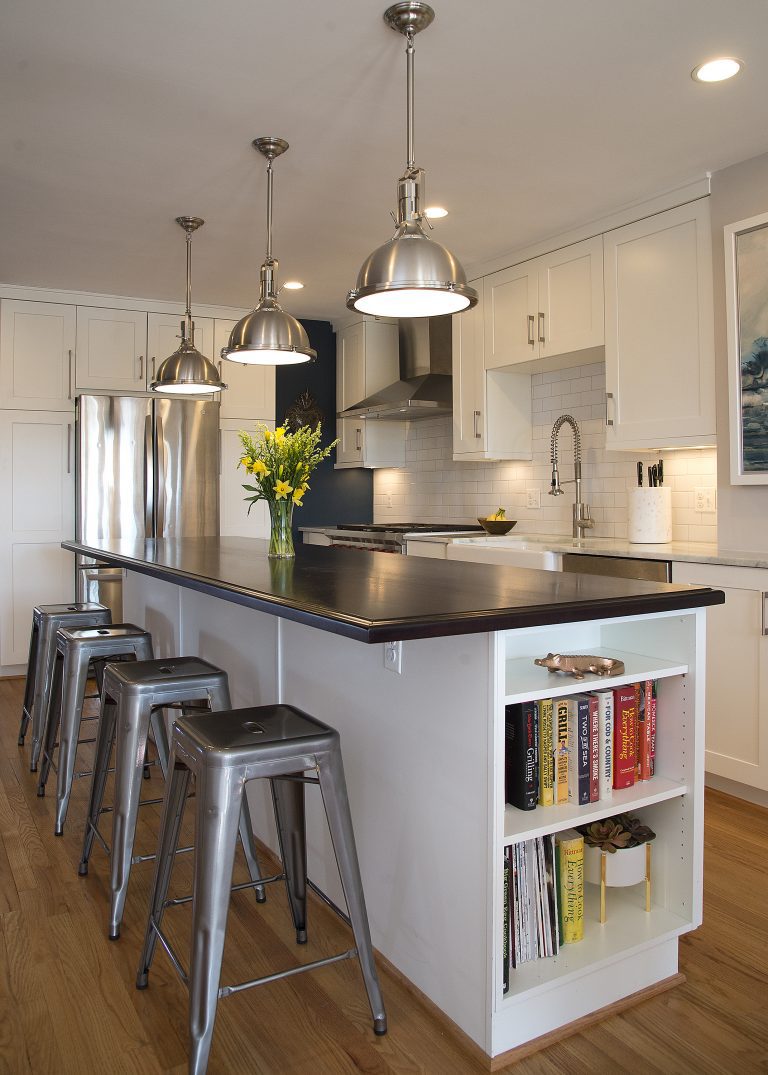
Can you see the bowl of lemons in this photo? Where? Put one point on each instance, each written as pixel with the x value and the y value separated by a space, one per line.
pixel 496 524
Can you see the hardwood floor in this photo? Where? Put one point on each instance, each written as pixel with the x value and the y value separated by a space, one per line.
pixel 68 1002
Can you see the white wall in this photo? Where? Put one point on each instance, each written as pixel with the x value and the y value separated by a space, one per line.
pixel 737 193
pixel 431 487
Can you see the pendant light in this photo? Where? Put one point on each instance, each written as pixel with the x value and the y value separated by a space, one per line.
pixel 268 335
pixel 411 275
pixel 187 371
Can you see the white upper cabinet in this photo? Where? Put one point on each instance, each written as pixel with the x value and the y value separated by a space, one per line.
pixel 549 308
pixel 250 391
pixel 164 337
pixel 491 408
pixel 37 348
pixel 659 341
pixel 111 350
pixel 367 359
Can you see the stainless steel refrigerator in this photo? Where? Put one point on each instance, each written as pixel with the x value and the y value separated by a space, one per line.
pixel 144 468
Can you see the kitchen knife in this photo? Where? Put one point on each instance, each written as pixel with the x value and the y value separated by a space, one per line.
pixel 640 474
pixel 660 471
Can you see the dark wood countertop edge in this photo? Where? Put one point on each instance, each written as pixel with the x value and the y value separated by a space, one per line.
pixel 436 626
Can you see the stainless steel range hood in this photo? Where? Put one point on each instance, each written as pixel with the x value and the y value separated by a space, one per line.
pixel 424 389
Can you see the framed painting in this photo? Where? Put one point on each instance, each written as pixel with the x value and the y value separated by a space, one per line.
pixel 746 281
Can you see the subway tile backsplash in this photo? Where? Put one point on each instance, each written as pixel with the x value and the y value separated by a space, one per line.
pixel 432 488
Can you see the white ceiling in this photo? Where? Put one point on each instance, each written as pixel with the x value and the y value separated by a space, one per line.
pixel 531 118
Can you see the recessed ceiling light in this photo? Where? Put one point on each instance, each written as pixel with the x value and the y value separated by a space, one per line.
pixel 717 70
pixel 435 211
pixel 293 285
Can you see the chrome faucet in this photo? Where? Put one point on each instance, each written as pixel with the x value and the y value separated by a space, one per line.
pixel 582 519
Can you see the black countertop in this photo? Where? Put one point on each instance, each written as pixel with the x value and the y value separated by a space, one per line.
pixel 383 597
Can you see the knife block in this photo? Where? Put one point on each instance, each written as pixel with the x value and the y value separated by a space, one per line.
pixel 650 516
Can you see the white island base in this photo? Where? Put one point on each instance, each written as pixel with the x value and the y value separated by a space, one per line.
pixel 423 754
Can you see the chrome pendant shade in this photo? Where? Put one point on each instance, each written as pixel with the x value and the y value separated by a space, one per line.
pixel 187 371
pixel 411 275
pixel 268 335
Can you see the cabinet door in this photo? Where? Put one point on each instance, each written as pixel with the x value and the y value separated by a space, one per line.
pixel 510 301
pixel 469 418
pixel 350 389
pixel 250 391
pixel 236 521
pixel 164 337
pixel 111 350
pixel 736 739
pixel 37 491
pixel 37 346
pixel 659 344
pixel 570 314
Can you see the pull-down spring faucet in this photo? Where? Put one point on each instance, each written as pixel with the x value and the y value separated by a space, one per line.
pixel 582 519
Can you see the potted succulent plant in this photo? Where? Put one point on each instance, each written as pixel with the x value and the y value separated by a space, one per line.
pixel 620 840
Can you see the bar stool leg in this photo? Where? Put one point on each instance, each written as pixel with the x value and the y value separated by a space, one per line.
pixel 75 676
pixel 52 722
pixel 220 701
pixel 132 723
pixel 42 690
pixel 334 791
pixel 288 800
pixel 215 837
pixel 104 739
pixel 29 686
pixel 176 789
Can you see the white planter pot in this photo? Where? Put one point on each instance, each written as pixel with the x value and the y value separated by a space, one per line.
pixel 622 868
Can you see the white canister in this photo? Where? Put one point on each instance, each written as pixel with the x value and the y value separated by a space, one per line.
pixel 650 515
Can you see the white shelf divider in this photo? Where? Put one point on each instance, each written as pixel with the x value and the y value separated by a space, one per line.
pixel 526 680
pixel 526 824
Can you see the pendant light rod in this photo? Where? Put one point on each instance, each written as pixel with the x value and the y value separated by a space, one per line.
pixel 269 209
pixel 190 224
pixel 409 53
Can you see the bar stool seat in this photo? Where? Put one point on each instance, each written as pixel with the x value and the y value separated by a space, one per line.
pixel 77 650
pixel 132 696
pixel 46 620
pixel 223 752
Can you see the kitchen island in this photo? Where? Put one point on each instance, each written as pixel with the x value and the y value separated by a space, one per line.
pixel 424 747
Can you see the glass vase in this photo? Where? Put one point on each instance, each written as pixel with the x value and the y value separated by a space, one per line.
pixel 280 535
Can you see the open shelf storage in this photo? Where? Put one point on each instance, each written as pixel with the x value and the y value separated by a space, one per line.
pixel 633 949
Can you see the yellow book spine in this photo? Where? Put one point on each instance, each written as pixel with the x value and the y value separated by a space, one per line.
pixel 546 754
pixel 572 889
pixel 560 753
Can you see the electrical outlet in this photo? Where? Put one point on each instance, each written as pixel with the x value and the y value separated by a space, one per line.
pixel 533 498
pixel 388 500
pixel 393 657
pixel 705 499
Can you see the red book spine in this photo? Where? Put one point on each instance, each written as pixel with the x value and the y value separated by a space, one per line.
pixel 652 726
pixel 624 743
pixel 594 750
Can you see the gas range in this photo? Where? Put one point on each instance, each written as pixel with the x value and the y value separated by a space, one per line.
pixel 388 537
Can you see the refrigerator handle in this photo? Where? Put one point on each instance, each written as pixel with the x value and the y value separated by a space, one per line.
pixel 160 479
pixel 149 483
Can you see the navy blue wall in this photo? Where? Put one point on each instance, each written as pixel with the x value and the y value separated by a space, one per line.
pixel 335 496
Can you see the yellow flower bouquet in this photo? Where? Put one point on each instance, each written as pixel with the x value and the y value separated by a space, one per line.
pixel 280 464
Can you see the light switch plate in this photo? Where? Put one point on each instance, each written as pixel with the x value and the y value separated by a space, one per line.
pixel 705 499
pixel 533 498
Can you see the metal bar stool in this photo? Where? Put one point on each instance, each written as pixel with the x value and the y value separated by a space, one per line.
pixel 77 650
pixel 46 620
pixel 132 697
pixel 280 743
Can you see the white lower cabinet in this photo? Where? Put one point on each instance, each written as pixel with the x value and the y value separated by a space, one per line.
pixel 659 336
pixel 38 496
pixel 737 672
pixel 634 949
pixel 236 520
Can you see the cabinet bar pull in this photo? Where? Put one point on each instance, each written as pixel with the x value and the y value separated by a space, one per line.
pixel 220 373
pixel 608 396
pixel 69 449
pixel 153 367
pixel 764 613
pixel 541 328
pixel 141 367
pixel 476 421
pixel 69 375
pixel 531 339
pixel 358 445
